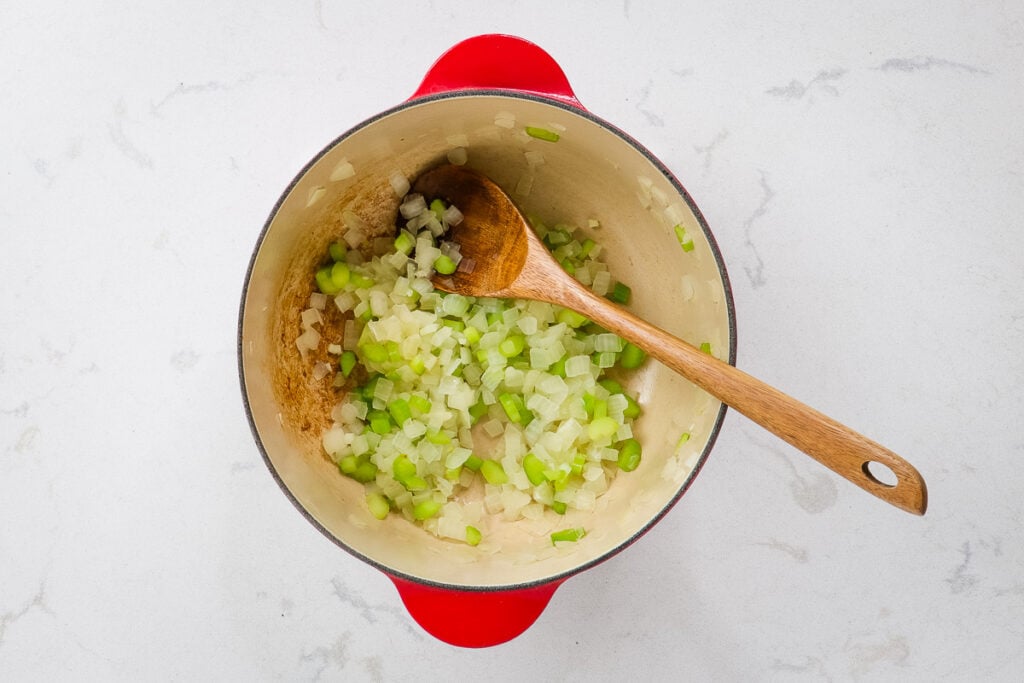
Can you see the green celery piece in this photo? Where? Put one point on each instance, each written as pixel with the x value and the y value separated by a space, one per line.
pixel 337 250
pixel 324 282
pixel 365 472
pixel 380 422
pixel 374 352
pixel 534 469
pixel 629 455
pixel 347 362
pixel 340 275
pixel 571 318
pixel 405 243
pixel 632 356
pixel 419 404
pixel 568 535
pixel 415 484
pixel 512 345
pixel 477 410
pixel 632 409
pixel 403 468
pixel 426 509
pixel 685 241
pixel 439 437
pixel 602 428
pixel 400 411
pixel 542 134
pixel 438 207
pixel 493 472
pixel 444 265
pixel 620 293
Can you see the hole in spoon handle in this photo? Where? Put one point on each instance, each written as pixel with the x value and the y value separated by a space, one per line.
pixel 834 445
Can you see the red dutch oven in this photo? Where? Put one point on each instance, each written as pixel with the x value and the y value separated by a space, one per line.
pixel 477 99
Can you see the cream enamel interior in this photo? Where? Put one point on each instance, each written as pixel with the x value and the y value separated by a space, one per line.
pixel 591 172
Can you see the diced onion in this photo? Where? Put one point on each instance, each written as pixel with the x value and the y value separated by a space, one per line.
pixel 342 171
pixel 458 156
pixel 399 183
pixel 442 371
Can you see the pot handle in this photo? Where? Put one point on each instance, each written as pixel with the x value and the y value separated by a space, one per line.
pixel 498 61
pixel 474 618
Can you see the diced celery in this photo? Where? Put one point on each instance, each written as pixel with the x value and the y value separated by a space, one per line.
pixel 620 293
pixel 602 428
pixel 542 134
pixel 444 265
pixel 512 345
pixel 340 275
pixel 571 318
pixel 629 455
pixel 534 469
pixel 568 535
pixel 426 509
pixel 400 411
pixel 325 283
pixel 493 472
pixel 632 356
pixel 347 362
pixel 337 250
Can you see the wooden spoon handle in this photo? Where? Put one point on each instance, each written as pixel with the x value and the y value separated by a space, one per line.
pixel 834 445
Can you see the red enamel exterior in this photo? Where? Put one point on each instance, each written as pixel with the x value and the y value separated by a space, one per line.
pixel 474 618
pixel 498 62
pixel 482 618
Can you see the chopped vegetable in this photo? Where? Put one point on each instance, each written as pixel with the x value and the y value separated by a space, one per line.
pixel 629 455
pixel 542 134
pixel 424 374
pixel 568 535
pixel 685 241
pixel 337 251
pixel 493 472
pixel 620 293
pixel 632 356
pixel 378 505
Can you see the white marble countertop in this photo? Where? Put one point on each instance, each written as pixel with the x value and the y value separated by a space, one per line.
pixel 861 165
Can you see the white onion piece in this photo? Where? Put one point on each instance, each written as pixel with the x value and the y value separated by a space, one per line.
pixel 321 370
pixel 413 206
pixel 525 185
pixel 318 300
pixel 424 352
pixel 399 183
pixel 452 216
pixel 458 156
pixel 315 194
pixel 342 171
pixel 534 158
pixel 505 119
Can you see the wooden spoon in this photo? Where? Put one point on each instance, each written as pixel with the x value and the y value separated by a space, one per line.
pixel 510 261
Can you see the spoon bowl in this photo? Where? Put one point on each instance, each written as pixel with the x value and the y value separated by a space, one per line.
pixel 510 261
